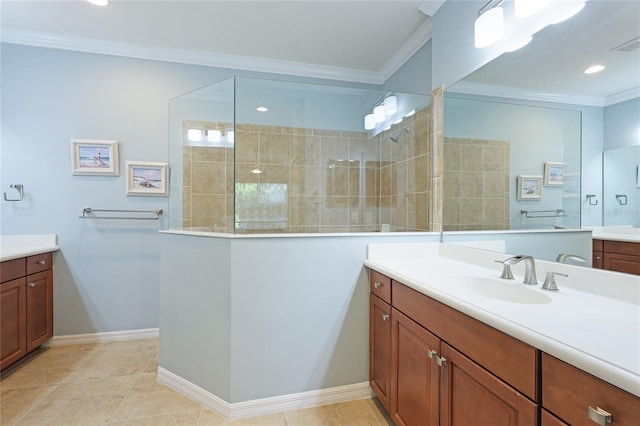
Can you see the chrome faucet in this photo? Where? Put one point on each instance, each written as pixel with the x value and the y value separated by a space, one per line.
pixel 563 257
pixel 530 271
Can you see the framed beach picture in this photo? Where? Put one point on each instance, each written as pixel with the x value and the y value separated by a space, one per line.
pixel 94 157
pixel 529 187
pixel 147 178
pixel 554 173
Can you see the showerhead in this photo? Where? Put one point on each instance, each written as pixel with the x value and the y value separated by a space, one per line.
pixel 396 137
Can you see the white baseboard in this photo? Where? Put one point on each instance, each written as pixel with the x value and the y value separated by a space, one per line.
pixel 265 406
pixel 106 337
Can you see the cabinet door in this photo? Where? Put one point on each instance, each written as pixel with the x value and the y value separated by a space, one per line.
pixel 39 308
pixel 13 344
pixel 380 348
pixel 415 376
pixel 472 396
pixel 622 263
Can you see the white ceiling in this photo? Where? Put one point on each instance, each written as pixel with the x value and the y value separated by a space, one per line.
pixel 357 40
pixel 551 66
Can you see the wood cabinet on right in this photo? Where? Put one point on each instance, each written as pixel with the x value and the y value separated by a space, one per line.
pixel 619 256
pixel 570 393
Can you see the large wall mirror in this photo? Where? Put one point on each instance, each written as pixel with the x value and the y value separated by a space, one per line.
pixel 523 133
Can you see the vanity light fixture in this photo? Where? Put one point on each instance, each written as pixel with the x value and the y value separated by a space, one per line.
pixel 524 8
pixel 369 122
pixel 231 136
pixel 489 25
pixel 378 114
pixel 579 6
pixel 99 2
pixel 594 69
pixel 256 170
pixel 520 45
pixel 410 113
pixel 390 105
pixel 262 109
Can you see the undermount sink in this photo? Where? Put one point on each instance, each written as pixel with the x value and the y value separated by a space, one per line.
pixel 506 291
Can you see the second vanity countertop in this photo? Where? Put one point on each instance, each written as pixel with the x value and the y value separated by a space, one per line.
pixel 593 322
pixel 17 246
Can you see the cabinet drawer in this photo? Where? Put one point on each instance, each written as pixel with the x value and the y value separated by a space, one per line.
pixel 12 269
pixel 598 245
pixel 548 419
pixel 621 247
pixel 380 285
pixel 568 392
pixel 38 263
pixel 508 358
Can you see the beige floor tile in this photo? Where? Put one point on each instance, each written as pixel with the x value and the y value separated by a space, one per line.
pixel 209 418
pixel 149 398
pixel 379 412
pixel 189 418
pixel 73 412
pixel 118 359
pixel 15 403
pixel 352 413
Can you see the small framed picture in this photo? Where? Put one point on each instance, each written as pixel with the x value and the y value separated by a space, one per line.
pixel 554 173
pixel 529 187
pixel 94 157
pixel 147 178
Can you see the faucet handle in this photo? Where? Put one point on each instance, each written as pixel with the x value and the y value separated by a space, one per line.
pixel 506 270
pixel 550 281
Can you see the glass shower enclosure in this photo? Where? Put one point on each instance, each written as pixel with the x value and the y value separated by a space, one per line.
pixel 254 156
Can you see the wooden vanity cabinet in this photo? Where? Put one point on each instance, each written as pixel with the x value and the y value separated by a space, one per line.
pixel 568 392
pixel 450 369
pixel 619 256
pixel 380 336
pixel 26 306
pixel 597 254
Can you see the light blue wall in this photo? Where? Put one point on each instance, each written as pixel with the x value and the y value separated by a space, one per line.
pixel 415 75
pixel 622 124
pixel 257 317
pixel 107 273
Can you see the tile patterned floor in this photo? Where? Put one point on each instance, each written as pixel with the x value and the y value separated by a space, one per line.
pixel 115 384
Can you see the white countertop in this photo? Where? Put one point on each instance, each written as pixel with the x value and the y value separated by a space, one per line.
pixel 593 322
pixel 17 246
pixel 616 233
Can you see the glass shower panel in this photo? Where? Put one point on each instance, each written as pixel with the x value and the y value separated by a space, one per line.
pixel 300 160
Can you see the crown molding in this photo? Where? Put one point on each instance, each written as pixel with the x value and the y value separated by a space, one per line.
pixel 21 36
pixel 408 49
pixel 622 96
pixel 525 94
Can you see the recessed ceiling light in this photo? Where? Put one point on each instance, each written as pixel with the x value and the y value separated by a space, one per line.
pixel 99 2
pixel 262 109
pixel 594 69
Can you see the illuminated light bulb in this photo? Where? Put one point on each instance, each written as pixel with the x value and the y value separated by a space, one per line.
pixel 214 135
pixel 594 69
pixel 378 113
pixel 369 122
pixel 390 105
pixel 524 8
pixel 489 27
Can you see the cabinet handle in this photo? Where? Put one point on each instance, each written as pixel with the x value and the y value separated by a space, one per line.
pixel 600 416
pixel 377 285
pixel 431 353
pixel 32 285
pixel 41 262
pixel 598 257
pixel 385 317
pixel 441 361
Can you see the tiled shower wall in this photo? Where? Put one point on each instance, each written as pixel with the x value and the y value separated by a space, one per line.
pixel 475 184
pixel 318 180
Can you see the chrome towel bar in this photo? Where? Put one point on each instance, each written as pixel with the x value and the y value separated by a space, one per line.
pixel 86 214
pixel 541 213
